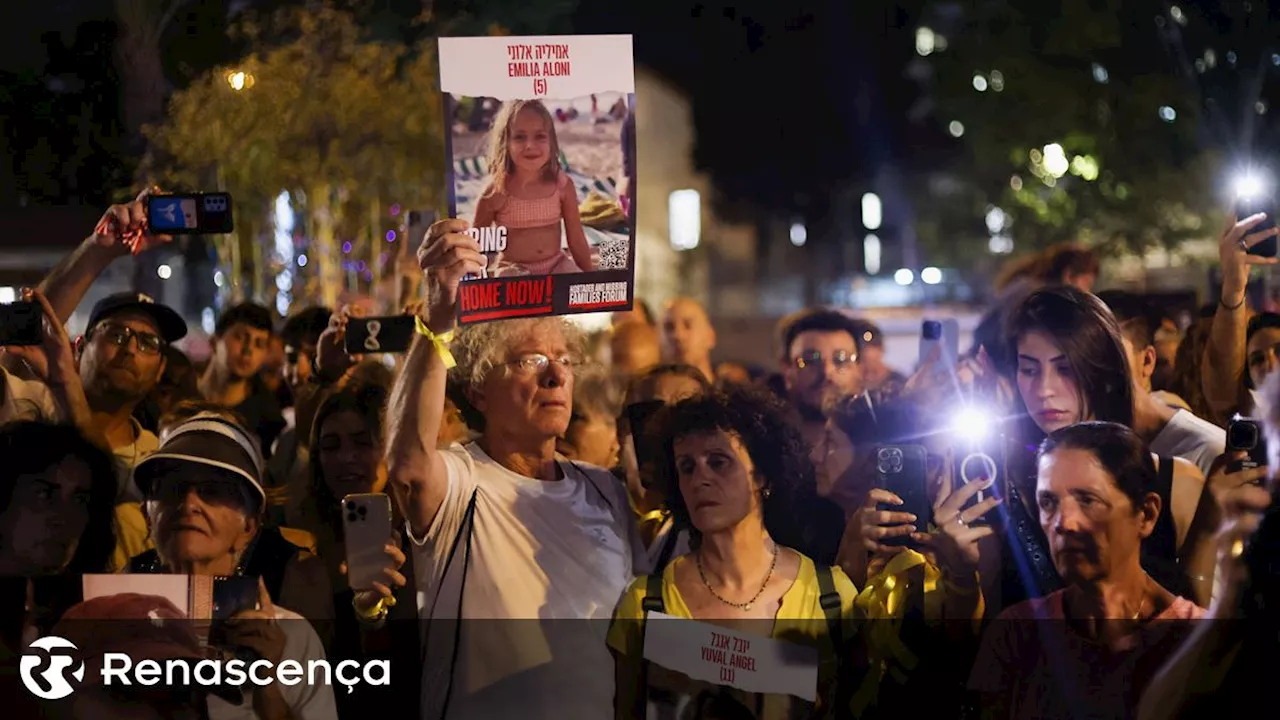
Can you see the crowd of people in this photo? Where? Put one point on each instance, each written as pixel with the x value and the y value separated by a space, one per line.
pixel 553 491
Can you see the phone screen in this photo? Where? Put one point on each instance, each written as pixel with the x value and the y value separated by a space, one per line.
pixel 190 214
pixel 172 213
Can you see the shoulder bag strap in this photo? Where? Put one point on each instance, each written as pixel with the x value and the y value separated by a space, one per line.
pixel 652 602
pixel 467 529
pixel 668 548
pixel 840 691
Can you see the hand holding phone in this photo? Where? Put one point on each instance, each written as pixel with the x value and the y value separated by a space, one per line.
pixel 48 354
pixel 955 541
pixel 902 470
pixel 253 633
pixel 366 525
pixel 1245 435
pixel 190 213
pixel 123 228
pixel 20 324
pixel 1249 205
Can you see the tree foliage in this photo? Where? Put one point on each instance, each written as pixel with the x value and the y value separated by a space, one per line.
pixel 1091 77
pixel 348 125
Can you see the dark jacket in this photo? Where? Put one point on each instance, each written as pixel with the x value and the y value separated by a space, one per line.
pixel 268 558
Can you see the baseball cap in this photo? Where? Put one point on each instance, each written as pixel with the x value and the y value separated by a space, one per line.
pixel 207 439
pixel 171 325
pixel 144 627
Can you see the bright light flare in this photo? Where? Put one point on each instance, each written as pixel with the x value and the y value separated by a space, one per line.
pixel 972 424
pixel 1250 185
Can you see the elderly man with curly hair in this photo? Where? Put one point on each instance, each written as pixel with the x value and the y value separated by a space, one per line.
pixel 510 538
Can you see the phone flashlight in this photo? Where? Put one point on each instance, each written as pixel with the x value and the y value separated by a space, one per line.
pixel 972 424
pixel 1253 196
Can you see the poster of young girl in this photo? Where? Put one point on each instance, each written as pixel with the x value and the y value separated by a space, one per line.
pixel 542 164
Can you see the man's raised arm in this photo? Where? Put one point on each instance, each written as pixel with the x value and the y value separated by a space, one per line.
pixel 69 281
pixel 415 468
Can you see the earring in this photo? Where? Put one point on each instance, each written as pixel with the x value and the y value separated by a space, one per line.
pixel 766 493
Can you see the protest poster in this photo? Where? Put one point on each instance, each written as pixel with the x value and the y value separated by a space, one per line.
pixel 697 667
pixel 541 147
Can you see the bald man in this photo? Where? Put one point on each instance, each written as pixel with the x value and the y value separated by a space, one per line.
pixel 634 347
pixel 687 335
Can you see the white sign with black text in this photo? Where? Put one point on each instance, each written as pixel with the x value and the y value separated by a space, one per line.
pixel 714 654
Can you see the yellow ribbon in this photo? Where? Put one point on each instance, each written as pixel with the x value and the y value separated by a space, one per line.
pixel 883 603
pixel 441 342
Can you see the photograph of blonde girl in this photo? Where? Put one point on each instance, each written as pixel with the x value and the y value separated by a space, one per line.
pixel 551 174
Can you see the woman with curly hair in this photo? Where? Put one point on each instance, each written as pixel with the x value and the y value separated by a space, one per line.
pixel 730 465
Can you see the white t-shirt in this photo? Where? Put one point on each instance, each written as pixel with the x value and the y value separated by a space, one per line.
pixel 540 552
pixel 1191 438
pixel 306 701
pixel 127 458
pixel 26 400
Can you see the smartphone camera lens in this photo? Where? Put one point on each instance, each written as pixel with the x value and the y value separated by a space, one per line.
pixel 351 507
pixel 889 461
pixel 352 517
pixel 1243 436
pixel 363 511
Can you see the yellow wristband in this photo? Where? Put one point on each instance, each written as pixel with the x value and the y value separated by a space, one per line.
pixel 441 342
pixel 374 614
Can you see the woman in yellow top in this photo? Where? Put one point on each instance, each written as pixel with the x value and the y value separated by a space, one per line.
pixel 730 465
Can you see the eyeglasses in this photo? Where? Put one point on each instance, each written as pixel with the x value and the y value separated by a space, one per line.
pixel 119 335
pixel 841 360
pixel 537 363
pixel 227 492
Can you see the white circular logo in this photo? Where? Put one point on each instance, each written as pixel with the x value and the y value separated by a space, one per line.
pixel 44 668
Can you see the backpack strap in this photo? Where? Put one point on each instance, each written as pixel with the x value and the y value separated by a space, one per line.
pixel 668 548
pixel 829 601
pixel 839 695
pixel 652 601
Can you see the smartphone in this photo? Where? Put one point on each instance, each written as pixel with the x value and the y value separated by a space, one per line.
pixel 389 334
pixel 190 214
pixel 1245 435
pixel 978 466
pixel 1252 205
pixel 940 332
pixel 20 323
pixel 232 595
pixel 638 416
pixel 902 470
pixel 366 525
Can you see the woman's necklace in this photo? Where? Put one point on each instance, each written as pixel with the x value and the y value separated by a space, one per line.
pixel 1141 605
pixel 746 605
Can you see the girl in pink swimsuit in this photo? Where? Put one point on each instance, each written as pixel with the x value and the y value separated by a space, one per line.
pixel 531 197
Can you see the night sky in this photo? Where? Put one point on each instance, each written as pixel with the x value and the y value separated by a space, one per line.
pixel 789 98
